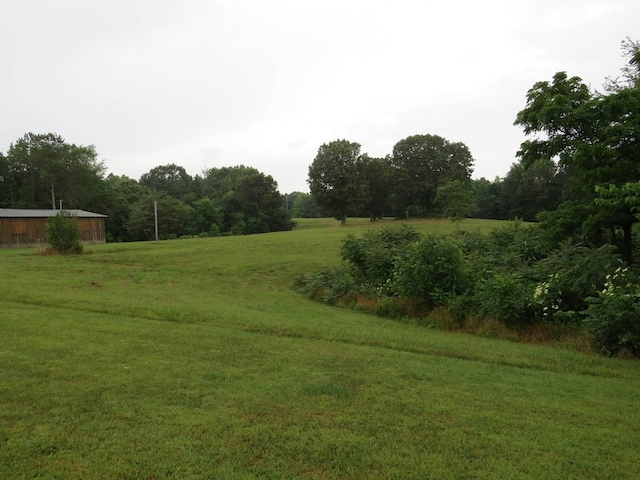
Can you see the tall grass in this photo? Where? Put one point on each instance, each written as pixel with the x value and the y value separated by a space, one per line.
pixel 195 359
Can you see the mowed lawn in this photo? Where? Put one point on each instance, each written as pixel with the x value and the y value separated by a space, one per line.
pixel 195 359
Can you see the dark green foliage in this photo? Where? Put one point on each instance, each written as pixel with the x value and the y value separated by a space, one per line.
pixel 42 169
pixel 255 200
pixel 121 194
pixel 63 233
pixel 231 201
pixel 505 297
pixel 39 171
pixel 205 217
pixel 336 178
pixel 372 257
pixel 173 217
pixel 569 275
pixel 378 175
pixel 514 246
pixel 566 222
pixel 531 188
pixel 8 187
pixel 593 139
pixel 329 285
pixel 171 179
pixel 488 197
pixel 431 269
pixel 421 164
pixel 613 316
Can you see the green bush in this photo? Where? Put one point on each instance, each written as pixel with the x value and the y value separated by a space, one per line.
pixel 431 269
pixel 506 298
pixel 328 285
pixel 515 244
pixel 568 276
pixel 613 317
pixel 372 257
pixel 63 233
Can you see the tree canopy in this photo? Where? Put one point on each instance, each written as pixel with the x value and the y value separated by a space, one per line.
pixel 422 163
pixel 40 170
pixel 336 178
pixel 171 179
pixel 342 180
pixel 593 138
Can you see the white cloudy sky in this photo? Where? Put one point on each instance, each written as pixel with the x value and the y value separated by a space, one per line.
pixel 265 82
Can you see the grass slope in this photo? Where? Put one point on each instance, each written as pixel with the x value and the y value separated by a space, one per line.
pixel 194 359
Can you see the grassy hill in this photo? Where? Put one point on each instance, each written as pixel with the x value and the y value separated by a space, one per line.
pixel 195 359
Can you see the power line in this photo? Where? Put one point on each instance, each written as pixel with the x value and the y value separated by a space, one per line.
pixel 9 135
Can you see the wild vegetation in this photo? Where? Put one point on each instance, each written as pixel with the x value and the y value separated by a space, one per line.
pixel 472 279
pixel 63 233
pixel 195 358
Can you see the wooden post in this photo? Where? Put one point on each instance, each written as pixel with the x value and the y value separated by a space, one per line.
pixel 155 211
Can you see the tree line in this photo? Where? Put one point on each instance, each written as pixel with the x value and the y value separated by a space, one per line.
pixel 43 171
pixel 406 183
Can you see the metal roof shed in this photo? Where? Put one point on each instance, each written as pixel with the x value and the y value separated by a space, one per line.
pixel 27 228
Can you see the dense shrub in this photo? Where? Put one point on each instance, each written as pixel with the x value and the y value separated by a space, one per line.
pixel 64 234
pixel 328 285
pixel 568 276
pixel 431 269
pixel 504 276
pixel 515 244
pixel 613 317
pixel 372 257
pixel 505 297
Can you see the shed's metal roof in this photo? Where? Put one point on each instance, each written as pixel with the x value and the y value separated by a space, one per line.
pixel 27 213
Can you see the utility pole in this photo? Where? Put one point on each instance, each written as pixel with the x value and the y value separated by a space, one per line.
pixel 155 212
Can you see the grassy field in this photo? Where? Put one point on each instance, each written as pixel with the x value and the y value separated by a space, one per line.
pixel 195 359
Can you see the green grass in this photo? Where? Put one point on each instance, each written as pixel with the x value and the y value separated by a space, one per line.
pixel 195 359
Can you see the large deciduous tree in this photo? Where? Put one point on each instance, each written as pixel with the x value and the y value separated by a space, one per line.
pixel 216 183
pixel 422 163
pixel 594 139
pixel 377 174
pixel 336 179
pixel 246 200
pixel 257 198
pixel 171 179
pixel 42 169
pixel 528 191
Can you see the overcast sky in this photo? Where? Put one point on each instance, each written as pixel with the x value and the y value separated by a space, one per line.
pixel 264 83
